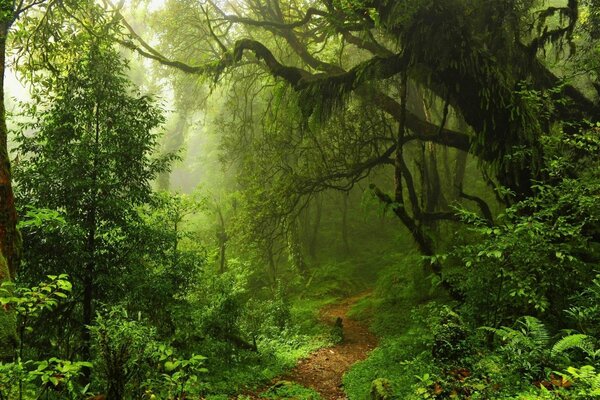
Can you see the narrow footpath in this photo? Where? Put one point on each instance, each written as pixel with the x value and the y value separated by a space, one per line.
pixel 323 370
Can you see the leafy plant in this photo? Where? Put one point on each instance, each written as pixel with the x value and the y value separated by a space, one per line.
pixel 584 343
pixel 53 374
pixel 587 382
pixel 180 376
pixel 29 303
pixel 290 390
pixel 122 348
pixel 525 346
pixel 60 377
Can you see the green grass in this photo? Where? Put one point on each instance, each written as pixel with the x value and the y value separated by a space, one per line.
pixel 290 390
pixel 275 356
pixel 395 359
pixel 402 354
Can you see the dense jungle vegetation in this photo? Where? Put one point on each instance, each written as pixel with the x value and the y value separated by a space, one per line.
pixel 301 199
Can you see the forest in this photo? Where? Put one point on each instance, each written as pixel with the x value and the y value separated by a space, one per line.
pixel 299 199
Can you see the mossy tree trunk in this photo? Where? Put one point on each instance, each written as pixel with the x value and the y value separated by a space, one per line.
pixel 9 236
pixel 10 242
pixel 8 322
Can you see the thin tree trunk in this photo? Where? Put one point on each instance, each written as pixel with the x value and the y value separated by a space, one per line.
pixel 294 248
pixel 459 172
pixel 90 266
pixel 345 240
pixel 459 166
pixel 174 140
pixel 272 264
pixel 222 238
pixel 314 237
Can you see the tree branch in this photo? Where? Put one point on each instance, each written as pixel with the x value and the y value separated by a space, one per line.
pixel 483 206
pixel 310 13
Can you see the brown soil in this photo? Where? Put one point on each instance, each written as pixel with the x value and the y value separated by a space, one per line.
pixel 323 370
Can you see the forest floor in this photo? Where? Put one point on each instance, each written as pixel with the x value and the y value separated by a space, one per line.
pixel 323 370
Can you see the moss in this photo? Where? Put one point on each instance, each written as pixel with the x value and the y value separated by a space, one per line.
pixel 8 322
pixel 381 389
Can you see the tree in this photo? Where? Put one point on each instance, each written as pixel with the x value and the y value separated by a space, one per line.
pixel 336 55
pixel 90 157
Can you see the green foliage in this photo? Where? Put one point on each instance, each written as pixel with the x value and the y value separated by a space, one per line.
pixel 525 347
pixel 401 285
pixel 450 334
pixel 131 362
pixel 396 360
pixel 52 377
pixel 180 377
pixel 86 144
pixel 587 382
pixel 28 304
pixel 290 390
pixel 549 235
pixel 218 301
pixel 86 165
pixel 381 389
pixel 585 343
pixel 8 326
pixel 585 312
pixel 60 377
pixel 31 302
pixel 337 331
pixel 267 318
pixel 171 259
pixel 122 347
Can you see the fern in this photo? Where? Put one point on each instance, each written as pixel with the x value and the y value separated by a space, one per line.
pixel 535 331
pixel 577 341
pixel 588 381
pixel 529 332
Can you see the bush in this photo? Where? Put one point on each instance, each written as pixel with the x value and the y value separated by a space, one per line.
pixel 123 354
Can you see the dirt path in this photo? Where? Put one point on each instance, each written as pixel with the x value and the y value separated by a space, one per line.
pixel 323 370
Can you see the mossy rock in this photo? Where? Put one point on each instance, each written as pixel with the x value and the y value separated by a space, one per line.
pixel 337 331
pixel 381 389
pixel 8 320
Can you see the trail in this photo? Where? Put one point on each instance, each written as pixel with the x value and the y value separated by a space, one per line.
pixel 323 370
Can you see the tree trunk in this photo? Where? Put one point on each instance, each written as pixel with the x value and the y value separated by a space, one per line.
pixel 272 264
pixel 222 238
pixel 460 166
pixel 459 172
pixel 8 324
pixel 294 248
pixel 345 240
pixel 312 244
pixel 90 247
pixel 10 240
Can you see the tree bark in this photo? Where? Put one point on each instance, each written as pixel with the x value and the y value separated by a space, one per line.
pixel 314 237
pixel 90 265
pixel 222 238
pixel 10 240
pixel 345 240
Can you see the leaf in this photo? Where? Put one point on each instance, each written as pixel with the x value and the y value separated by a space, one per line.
pixel 170 366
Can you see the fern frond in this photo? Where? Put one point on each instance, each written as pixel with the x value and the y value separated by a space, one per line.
pixel 535 330
pixel 577 341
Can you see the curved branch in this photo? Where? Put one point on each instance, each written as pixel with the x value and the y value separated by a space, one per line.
pixel 353 174
pixel 293 75
pixel 421 129
pixel 200 70
pixel 483 206
pixel 310 13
